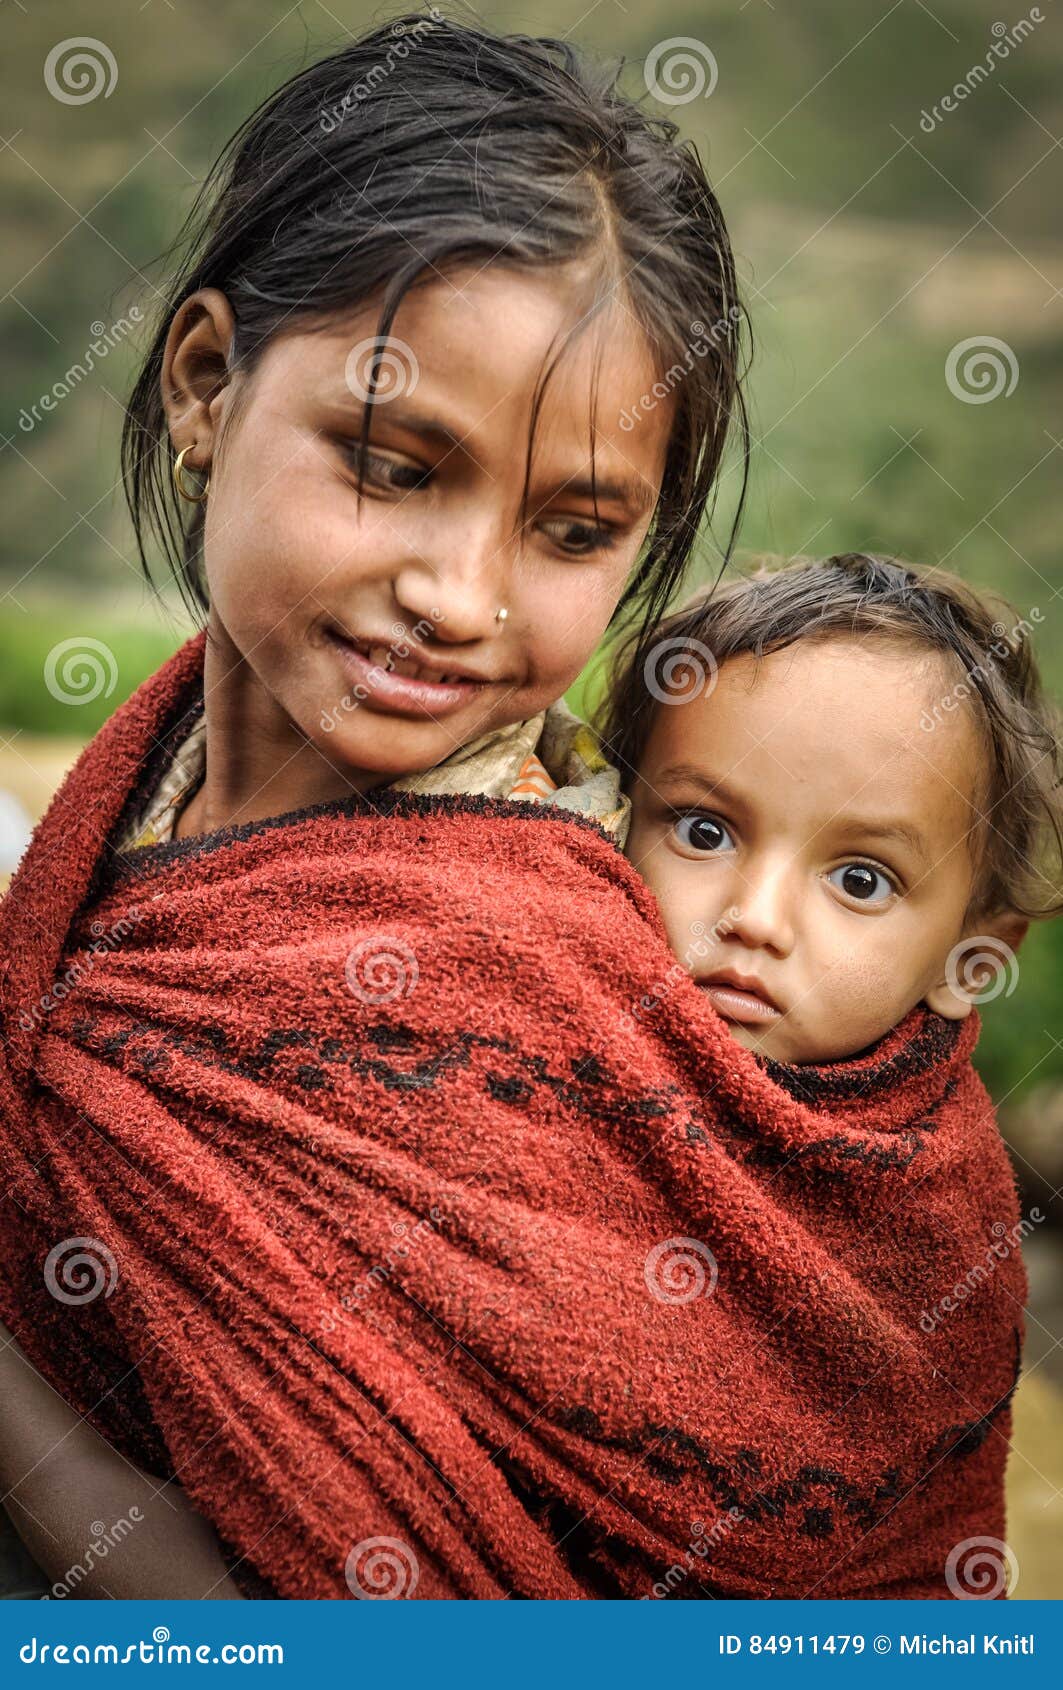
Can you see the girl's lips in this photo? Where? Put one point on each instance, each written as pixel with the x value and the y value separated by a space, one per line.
pixel 401 695
pixel 734 1005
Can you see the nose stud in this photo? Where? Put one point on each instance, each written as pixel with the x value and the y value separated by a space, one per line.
pixel 501 614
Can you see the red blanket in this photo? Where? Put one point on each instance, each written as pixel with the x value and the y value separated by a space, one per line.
pixel 376 1171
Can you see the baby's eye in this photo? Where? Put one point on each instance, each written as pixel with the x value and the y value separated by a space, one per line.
pixel 860 881
pixel 702 833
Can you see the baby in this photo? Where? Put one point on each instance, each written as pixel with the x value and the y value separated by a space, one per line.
pixel 844 775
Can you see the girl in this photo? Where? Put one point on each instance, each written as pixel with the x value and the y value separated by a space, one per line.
pixel 384 434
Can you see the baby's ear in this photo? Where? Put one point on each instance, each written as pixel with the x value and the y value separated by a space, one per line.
pixel 983 965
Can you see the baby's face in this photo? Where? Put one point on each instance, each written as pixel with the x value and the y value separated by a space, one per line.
pixel 803 834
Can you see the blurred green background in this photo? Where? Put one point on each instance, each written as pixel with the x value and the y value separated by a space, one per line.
pixel 871 239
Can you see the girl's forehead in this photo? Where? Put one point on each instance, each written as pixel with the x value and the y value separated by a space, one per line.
pixel 483 341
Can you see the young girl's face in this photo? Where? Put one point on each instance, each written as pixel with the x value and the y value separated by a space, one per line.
pixel 299 572
pixel 808 841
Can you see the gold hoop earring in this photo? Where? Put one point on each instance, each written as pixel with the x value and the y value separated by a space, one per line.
pixel 178 479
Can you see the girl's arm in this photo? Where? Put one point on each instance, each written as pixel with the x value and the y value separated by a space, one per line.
pixel 59 1479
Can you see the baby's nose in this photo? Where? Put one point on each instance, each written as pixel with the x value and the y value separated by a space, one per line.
pixel 762 909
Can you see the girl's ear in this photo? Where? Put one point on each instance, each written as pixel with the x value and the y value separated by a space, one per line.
pixel 982 966
pixel 195 372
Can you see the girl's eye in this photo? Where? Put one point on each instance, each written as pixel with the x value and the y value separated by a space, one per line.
pixel 589 538
pixel 581 539
pixel 860 881
pixel 386 471
pixel 702 833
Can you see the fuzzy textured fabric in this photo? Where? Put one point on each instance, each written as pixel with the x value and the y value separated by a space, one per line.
pixel 378 1172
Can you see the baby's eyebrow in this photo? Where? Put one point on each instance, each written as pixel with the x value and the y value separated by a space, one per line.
pixel 839 827
pixel 870 828
pixel 694 776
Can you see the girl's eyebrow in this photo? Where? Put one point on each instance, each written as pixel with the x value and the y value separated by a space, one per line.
pixel 432 429
pixel 631 491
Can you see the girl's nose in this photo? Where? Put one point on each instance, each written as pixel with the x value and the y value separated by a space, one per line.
pixel 462 595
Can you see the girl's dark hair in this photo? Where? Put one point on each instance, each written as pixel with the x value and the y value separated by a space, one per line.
pixel 430 143
pixel 985 648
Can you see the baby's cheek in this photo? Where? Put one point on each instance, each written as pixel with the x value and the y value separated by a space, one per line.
pixel 866 991
pixel 676 927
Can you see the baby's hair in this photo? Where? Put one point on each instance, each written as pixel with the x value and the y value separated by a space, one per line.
pixel 982 642
pixel 461 147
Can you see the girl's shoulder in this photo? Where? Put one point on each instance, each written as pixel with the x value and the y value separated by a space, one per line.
pixel 181 777
pixel 584 780
pixel 550 758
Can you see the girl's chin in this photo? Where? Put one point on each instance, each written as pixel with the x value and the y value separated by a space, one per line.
pixel 384 748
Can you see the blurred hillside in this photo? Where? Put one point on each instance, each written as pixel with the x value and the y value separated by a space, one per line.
pixel 873 239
